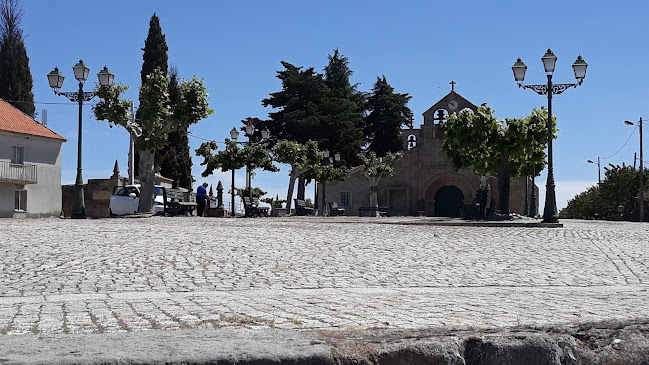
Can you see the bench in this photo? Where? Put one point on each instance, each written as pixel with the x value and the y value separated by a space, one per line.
pixel 334 210
pixel 176 203
pixel 252 208
pixel 260 210
pixel 372 212
pixel 301 208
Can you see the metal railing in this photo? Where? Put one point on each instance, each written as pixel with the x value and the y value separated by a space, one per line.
pixel 18 173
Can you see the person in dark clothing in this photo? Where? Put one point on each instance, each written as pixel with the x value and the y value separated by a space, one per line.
pixel 201 198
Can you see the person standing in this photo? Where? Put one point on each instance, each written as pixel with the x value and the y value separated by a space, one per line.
pixel 201 198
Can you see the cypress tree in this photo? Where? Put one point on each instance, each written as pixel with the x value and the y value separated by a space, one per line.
pixel 155 50
pixel 388 113
pixel 15 76
pixel 173 160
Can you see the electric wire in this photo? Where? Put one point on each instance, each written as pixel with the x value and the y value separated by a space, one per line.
pixel 627 141
pixel 48 102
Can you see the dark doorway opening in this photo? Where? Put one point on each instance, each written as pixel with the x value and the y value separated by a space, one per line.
pixel 449 200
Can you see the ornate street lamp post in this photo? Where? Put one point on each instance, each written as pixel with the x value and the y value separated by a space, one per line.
pixel 250 131
pixel 641 210
pixel 55 79
pixel 550 214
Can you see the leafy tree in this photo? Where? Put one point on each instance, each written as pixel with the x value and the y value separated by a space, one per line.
pixel 491 146
pixel 388 113
pixel 274 202
pixel 15 76
pixel 174 158
pixel 301 157
pixel 375 168
pixel 256 192
pixel 158 117
pixel 620 187
pixel 587 205
pixel 234 157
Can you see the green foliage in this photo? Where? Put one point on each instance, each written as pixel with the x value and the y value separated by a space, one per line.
pixel 157 119
pixel 15 76
pixel 298 156
pixel 275 202
pixel 226 160
pixel 154 112
pixel 234 157
pixel 174 158
pixel 256 192
pixel 297 104
pixel 479 141
pixel 155 50
pixel 620 187
pixel 154 57
pixel 388 113
pixel 588 205
pixel 376 167
pixel 113 109
pixel 312 107
pixel 491 146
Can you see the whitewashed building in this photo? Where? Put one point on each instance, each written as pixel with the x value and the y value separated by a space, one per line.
pixel 30 166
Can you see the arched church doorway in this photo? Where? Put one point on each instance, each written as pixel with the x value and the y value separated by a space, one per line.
pixel 449 200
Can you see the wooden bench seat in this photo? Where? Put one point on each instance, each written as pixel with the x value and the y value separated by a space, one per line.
pixel 301 209
pixel 335 210
pixel 176 203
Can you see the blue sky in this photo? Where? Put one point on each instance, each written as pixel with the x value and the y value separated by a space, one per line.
pixel 420 46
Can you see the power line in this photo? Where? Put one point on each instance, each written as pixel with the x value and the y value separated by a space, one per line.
pixel 627 141
pixel 46 103
pixel 204 139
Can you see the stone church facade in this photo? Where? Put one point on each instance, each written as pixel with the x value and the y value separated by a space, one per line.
pixel 425 182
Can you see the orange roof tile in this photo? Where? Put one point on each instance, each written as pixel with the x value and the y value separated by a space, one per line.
pixel 14 120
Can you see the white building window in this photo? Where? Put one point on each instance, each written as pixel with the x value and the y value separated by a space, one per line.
pixel 17 155
pixel 21 200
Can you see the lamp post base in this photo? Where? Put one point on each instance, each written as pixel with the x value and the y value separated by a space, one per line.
pixel 79 206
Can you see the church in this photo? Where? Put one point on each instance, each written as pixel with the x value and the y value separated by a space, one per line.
pixel 425 183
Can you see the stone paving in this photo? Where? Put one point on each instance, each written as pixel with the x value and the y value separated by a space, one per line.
pixel 117 275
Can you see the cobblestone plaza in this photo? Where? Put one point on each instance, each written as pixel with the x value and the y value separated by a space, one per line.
pixel 115 275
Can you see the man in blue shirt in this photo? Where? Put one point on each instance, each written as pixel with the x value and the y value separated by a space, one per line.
pixel 201 198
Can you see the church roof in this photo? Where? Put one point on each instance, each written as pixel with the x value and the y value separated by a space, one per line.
pixel 443 103
pixel 15 121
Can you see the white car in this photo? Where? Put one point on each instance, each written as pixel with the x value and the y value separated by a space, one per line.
pixel 125 200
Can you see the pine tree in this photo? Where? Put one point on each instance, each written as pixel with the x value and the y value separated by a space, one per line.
pixel 15 76
pixel 298 116
pixel 342 112
pixel 388 113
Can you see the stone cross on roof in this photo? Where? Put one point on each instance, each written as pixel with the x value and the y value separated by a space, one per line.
pixel 452 85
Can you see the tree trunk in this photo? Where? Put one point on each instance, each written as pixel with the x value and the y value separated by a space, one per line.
pixel 504 179
pixel 374 192
pixel 291 185
pixel 300 188
pixel 147 175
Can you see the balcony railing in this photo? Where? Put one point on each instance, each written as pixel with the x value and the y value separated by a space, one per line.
pixel 18 173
